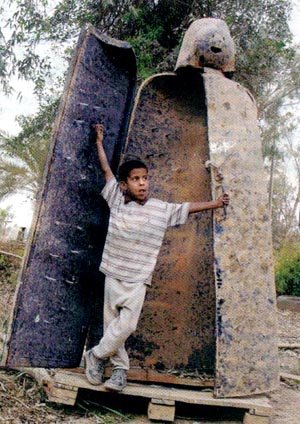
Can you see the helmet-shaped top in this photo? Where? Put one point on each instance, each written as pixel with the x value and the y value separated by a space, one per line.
pixel 207 42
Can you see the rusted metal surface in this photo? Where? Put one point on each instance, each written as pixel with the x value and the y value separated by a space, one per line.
pixel 211 308
pixel 177 379
pixel 247 348
pixel 169 131
pixel 176 331
pixel 207 42
pixel 60 279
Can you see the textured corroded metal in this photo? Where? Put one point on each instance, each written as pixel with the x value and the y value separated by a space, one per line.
pixel 211 308
pixel 207 42
pixel 169 132
pixel 175 334
pixel 60 279
pixel 247 349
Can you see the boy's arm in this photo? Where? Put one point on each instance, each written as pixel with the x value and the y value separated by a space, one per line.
pixel 99 128
pixel 221 201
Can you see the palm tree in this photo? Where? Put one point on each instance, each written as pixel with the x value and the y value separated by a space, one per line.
pixel 22 157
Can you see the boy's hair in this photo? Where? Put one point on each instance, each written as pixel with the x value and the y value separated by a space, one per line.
pixel 128 166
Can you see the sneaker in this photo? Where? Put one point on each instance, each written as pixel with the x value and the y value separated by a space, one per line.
pixel 117 381
pixel 94 368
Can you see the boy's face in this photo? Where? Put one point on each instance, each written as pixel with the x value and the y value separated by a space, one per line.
pixel 137 184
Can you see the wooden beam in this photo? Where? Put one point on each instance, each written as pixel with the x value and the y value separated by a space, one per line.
pixel 62 395
pixel 256 403
pixel 289 346
pixel 255 419
pixel 161 410
pixel 2 252
pixel 289 377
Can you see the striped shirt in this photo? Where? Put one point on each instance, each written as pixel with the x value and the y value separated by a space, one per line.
pixel 135 234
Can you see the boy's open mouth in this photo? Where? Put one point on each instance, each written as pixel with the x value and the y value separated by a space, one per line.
pixel 142 193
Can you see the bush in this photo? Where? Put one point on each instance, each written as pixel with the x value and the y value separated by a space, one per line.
pixel 10 264
pixel 7 269
pixel 287 271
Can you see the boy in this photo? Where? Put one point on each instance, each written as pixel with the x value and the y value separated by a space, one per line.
pixel 136 229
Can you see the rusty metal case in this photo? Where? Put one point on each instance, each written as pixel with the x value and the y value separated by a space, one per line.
pixel 246 338
pixel 211 307
pixel 168 131
pixel 60 289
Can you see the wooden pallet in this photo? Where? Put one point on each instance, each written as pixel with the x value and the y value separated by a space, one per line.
pixel 63 388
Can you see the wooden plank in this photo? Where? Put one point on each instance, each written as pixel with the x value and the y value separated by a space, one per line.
pixel 65 386
pixel 255 419
pixel 152 376
pixel 289 346
pixel 290 303
pixel 163 402
pixel 290 377
pixel 63 396
pixel 161 411
pixel 170 393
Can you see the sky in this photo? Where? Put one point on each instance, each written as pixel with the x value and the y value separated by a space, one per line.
pixel 295 21
pixel 10 107
pixel 20 205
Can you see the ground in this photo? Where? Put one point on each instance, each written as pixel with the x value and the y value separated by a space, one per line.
pixel 23 401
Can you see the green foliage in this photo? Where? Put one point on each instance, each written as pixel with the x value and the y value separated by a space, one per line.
pixel 11 253
pixel 287 270
pixel 282 209
pixel 266 62
pixel 6 269
pixel 22 157
pixel 284 191
pixel 155 29
pixel 149 52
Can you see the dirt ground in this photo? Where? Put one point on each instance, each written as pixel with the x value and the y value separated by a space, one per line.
pixel 23 401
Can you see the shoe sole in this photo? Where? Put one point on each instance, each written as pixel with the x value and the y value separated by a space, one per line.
pixel 93 382
pixel 113 388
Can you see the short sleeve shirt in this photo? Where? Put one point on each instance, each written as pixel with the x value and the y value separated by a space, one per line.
pixel 135 234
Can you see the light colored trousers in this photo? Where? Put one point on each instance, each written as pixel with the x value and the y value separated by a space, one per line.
pixel 123 304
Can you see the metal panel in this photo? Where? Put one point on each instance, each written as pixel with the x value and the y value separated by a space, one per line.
pixel 60 275
pixel 247 348
pixel 169 131
pixel 59 283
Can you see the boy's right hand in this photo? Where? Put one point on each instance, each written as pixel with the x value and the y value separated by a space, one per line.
pixel 99 128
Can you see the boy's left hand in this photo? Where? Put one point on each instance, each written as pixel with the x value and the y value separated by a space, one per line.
pixel 223 200
pixel 99 129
